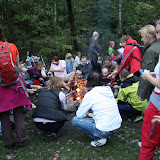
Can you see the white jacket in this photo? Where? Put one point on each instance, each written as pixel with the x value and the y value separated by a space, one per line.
pixel 105 110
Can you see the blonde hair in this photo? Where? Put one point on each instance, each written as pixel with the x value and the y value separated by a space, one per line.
pixel 55 83
pixel 125 38
pixel 68 56
pixel 104 70
pixel 95 33
pixel 148 29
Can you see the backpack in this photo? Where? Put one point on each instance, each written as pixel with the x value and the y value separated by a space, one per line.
pixel 8 73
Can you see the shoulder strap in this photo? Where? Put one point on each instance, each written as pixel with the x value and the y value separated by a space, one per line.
pixel 127 57
pixel 6 45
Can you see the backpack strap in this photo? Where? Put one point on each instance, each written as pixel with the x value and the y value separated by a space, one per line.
pixel 127 57
pixel 136 59
pixel 6 45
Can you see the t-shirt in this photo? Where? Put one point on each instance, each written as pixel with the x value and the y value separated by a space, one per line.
pixel 61 64
pixel 13 50
pixel 121 51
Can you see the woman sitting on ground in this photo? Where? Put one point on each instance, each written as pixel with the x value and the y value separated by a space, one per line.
pixel 49 115
pixel 106 118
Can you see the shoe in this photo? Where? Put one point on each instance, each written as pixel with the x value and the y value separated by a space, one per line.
pixel 21 145
pixel 138 118
pixel 99 142
pixel 10 147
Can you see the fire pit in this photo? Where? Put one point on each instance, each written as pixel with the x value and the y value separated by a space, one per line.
pixel 75 95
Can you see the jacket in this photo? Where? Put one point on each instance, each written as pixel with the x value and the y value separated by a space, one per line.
pixel 105 110
pixel 149 61
pixel 48 106
pixel 134 64
pixel 128 93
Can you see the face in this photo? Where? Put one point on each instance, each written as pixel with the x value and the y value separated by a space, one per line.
pixel 123 44
pixel 116 58
pixel 121 78
pixel 39 67
pixel 55 62
pixel 158 32
pixel 108 63
pixel 145 39
pixel 105 73
pixel 84 61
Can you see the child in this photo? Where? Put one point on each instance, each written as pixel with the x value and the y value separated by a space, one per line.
pixel 49 115
pixel 111 47
pixel 69 62
pixel 128 101
pixel 34 76
pixel 104 76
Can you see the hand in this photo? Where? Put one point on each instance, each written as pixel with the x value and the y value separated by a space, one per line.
pixel 39 87
pixel 116 87
pixel 41 79
pixel 141 99
pixel 145 75
pixel 156 119
pixel 78 72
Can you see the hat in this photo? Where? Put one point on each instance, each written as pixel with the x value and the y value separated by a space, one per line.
pixel 111 43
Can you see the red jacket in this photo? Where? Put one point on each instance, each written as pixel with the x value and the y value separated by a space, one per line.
pixel 134 64
pixel 154 140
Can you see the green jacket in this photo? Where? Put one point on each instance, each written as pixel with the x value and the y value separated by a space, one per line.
pixel 149 61
pixel 128 93
pixel 110 50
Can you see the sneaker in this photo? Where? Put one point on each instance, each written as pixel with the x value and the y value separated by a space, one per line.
pixel 138 118
pixel 99 142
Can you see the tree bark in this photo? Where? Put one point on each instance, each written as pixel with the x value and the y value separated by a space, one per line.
pixel 71 20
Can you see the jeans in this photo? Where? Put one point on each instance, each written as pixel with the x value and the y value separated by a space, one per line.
pixel 88 126
pixel 127 110
pixel 30 82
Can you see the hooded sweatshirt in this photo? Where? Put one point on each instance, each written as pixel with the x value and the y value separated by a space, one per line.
pixel 105 110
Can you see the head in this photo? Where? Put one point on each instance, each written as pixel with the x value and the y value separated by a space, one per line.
pixel 112 43
pixel 116 56
pixel 55 60
pixel 108 61
pixel 95 35
pixel 84 60
pixel 55 83
pixel 148 34
pixel 158 30
pixel 68 56
pixel 1 34
pixel 78 53
pixel 123 74
pixel 94 79
pixel 124 39
pixel 39 65
pixel 104 72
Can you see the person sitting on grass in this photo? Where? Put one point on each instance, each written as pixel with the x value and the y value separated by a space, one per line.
pixel 58 67
pixel 128 101
pixel 49 115
pixel 106 118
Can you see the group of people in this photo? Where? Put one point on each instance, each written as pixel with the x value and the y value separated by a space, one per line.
pixel 119 71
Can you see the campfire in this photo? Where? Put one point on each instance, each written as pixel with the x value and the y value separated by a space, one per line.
pixel 76 93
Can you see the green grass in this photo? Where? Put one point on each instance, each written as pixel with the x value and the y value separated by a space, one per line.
pixel 122 146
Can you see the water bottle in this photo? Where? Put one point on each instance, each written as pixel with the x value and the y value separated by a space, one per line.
pixel 141 71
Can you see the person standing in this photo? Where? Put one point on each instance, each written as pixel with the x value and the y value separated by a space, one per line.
pixel 11 100
pixel 111 47
pixel 149 60
pixel 95 52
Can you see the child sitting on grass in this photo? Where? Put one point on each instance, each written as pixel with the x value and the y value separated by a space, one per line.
pixel 128 102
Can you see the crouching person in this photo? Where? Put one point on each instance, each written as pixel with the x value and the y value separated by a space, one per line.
pixel 49 115
pixel 106 118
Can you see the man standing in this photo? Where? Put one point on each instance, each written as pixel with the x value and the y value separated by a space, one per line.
pixel 58 67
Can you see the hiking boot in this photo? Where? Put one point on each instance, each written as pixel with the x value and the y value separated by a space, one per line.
pixel 10 147
pixel 99 142
pixel 21 145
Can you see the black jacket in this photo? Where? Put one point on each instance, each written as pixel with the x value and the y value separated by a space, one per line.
pixel 48 106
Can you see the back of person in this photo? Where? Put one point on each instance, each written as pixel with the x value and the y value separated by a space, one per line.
pixel 128 93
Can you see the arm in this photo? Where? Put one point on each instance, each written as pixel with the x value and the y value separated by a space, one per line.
pixel 92 47
pixel 58 70
pixel 114 73
pixel 84 107
pixel 151 79
pixel 34 72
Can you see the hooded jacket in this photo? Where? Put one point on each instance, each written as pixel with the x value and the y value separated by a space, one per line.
pixel 134 64
pixel 128 93
pixel 105 110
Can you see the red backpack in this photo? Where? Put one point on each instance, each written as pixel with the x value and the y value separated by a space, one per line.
pixel 8 72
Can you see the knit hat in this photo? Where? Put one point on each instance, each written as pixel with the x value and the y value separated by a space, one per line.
pixel 111 43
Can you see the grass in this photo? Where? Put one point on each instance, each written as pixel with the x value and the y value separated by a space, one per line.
pixel 122 146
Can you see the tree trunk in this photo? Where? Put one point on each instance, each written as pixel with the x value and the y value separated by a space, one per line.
pixel 71 20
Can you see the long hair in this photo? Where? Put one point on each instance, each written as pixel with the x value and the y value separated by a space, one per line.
pixel 94 79
pixel 55 83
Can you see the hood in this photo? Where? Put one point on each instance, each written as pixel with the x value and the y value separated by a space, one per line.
pixel 130 40
pixel 103 90
pixel 130 79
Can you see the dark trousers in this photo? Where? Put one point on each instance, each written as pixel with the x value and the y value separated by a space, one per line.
pixel 127 110
pixel 19 126
pixel 52 127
